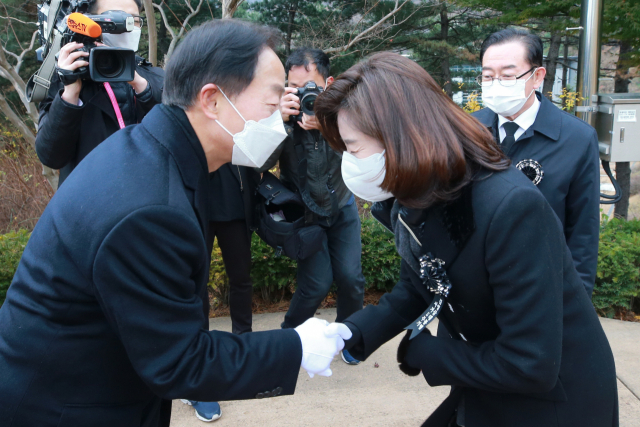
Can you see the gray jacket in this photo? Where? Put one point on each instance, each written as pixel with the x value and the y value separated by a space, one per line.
pixel 325 189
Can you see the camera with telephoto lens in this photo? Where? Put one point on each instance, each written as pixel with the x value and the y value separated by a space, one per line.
pixel 106 64
pixel 307 95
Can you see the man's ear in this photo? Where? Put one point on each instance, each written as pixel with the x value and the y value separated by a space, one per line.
pixel 540 74
pixel 208 100
pixel 329 81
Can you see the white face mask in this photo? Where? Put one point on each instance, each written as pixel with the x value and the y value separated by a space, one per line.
pixel 257 141
pixel 506 101
pixel 364 176
pixel 127 40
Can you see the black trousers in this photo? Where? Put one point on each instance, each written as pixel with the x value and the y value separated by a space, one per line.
pixel 235 244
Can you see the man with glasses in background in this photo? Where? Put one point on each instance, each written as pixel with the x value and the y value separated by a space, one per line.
pixel 556 150
pixel 78 115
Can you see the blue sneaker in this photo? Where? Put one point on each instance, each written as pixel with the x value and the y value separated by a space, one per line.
pixel 205 411
pixel 349 359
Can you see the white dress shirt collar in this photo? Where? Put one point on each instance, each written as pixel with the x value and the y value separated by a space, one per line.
pixel 524 120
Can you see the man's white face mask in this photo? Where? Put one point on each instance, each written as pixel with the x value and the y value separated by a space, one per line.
pixel 364 176
pixel 127 40
pixel 257 141
pixel 506 100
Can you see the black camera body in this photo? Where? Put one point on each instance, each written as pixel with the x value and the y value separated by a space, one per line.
pixel 307 95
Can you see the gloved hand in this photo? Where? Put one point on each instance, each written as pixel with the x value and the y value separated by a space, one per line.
pixel 321 341
pixel 409 352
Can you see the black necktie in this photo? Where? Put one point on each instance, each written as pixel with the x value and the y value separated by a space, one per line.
pixel 510 129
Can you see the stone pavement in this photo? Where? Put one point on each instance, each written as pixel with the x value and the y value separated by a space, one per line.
pixel 368 396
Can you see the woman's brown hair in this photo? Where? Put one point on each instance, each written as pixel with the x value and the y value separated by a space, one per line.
pixel 433 148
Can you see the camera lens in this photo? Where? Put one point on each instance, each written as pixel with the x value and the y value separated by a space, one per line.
pixel 109 64
pixel 307 103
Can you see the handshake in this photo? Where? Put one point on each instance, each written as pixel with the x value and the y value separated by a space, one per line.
pixel 321 341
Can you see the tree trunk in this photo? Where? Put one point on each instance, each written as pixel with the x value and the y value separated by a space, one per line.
pixel 623 169
pixel 552 60
pixel 444 36
pixel 293 9
pixel 26 132
pixel 153 32
pixel 565 68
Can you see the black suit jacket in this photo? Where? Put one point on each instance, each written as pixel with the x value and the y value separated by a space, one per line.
pixel 535 353
pixel 103 318
pixel 567 149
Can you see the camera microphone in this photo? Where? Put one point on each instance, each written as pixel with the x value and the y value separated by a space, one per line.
pixel 79 23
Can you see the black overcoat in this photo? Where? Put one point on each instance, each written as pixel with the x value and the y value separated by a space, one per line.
pixel 566 148
pixel 535 353
pixel 103 319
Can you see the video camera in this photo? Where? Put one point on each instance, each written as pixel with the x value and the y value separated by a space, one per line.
pixel 64 21
pixel 307 94
pixel 106 64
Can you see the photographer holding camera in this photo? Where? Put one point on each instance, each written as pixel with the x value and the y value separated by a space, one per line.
pixel 78 114
pixel 327 200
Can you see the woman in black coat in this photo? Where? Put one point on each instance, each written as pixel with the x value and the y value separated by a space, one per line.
pixel 519 341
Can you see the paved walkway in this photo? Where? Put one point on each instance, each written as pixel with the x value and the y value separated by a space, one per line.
pixel 367 396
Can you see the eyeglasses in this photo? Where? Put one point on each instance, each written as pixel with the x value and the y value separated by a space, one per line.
pixel 138 21
pixel 507 81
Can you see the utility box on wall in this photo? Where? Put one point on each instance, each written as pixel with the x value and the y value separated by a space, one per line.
pixel 618 127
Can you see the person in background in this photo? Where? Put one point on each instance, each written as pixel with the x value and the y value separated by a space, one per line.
pixel 231 204
pixel 556 150
pixel 75 118
pixel 328 201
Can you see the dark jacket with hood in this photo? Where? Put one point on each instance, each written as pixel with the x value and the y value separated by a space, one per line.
pixel 325 189
pixel 67 133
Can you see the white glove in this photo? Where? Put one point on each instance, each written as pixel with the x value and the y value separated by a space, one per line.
pixel 321 341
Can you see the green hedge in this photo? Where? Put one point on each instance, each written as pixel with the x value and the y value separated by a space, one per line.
pixel 275 277
pixel 11 247
pixel 618 278
pixel 617 283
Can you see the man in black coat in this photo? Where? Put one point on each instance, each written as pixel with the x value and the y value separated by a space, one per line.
pixel 76 117
pixel 556 150
pixel 231 207
pixel 103 322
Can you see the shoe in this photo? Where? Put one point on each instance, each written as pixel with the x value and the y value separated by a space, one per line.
pixel 205 411
pixel 348 359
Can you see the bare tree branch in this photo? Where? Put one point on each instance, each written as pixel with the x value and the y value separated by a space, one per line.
pixel 229 7
pixel 371 29
pixel 11 18
pixel 10 72
pixel 183 25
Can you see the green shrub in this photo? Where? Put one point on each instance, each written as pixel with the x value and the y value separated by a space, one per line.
pixel 618 277
pixel 275 277
pixel 617 282
pixel 11 247
pixel 380 260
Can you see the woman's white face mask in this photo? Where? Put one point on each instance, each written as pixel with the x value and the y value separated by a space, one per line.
pixel 364 176
pixel 127 40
